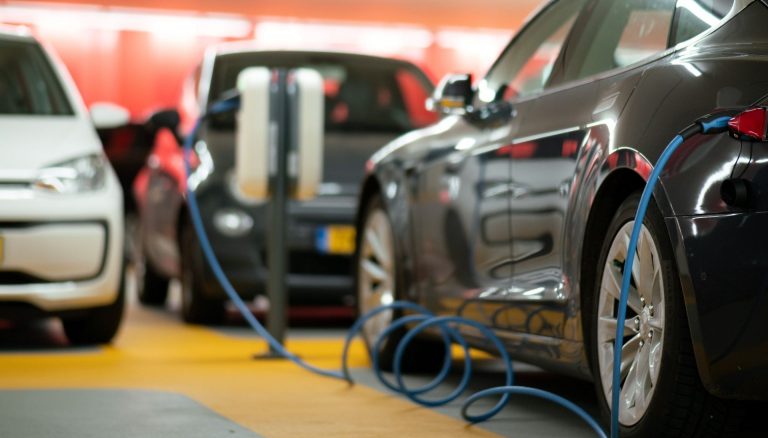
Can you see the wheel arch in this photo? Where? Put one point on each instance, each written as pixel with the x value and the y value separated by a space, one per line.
pixel 624 172
pixel 158 221
pixel 370 187
pixel 387 183
pixel 621 176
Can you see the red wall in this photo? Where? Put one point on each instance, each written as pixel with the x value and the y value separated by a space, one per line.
pixel 138 70
pixel 144 69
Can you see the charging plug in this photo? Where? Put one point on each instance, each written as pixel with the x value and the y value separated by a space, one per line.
pixel 716 123
pixel 751 124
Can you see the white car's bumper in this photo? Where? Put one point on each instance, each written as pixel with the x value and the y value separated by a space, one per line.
pixel 61 252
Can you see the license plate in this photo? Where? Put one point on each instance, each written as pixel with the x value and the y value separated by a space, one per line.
pixel 336 239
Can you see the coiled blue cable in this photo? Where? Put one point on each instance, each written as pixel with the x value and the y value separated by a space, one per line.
pixel 705 127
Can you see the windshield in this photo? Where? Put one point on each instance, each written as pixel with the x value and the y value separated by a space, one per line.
pixel 361 93
pixel 28 85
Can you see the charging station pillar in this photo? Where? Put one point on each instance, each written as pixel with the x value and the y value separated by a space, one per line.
pixel 279 157
pixel 280 142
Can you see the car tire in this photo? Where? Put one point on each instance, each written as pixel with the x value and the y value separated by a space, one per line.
pixel 379 280
pixel 662 393
pixel 196 307
pixel 98 325
pixel 152 287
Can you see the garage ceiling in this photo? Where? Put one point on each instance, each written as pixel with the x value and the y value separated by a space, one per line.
pixel 502 14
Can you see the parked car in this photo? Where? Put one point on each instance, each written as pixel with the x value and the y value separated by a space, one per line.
pixel 368 101
pixel 61 224
pixel 515 209
pixel 128 142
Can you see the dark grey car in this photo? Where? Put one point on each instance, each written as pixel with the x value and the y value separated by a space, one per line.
pixel 515 209
pixel 369 101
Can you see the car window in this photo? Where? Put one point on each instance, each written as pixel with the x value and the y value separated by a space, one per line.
pixel 360 94
pixel 694 17
pixel 619 33
pixel 527 63
pixel 28 85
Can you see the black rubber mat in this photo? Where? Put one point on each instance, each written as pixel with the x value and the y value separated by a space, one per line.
pixel 84 413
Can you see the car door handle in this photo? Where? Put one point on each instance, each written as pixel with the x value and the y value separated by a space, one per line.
pixel 456 161
pixel 518 190
pixel 411 167
pixel 512 190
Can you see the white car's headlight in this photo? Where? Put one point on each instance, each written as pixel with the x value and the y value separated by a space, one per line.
pixel 84 174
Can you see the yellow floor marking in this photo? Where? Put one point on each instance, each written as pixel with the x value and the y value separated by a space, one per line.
pixel 273 398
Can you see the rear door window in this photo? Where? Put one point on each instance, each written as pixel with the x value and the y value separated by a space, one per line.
pixel 620 33
pixel 28 85
pixel 526 65
pixel 694 17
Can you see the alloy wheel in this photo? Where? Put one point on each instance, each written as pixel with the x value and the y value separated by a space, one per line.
pixel 376 272
pixel 644 326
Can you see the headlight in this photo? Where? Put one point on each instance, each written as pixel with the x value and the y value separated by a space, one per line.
pixel 232 222
pixel 80 175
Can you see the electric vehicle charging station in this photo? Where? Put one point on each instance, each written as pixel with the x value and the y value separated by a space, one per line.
pixel 279 155
pixel 261 157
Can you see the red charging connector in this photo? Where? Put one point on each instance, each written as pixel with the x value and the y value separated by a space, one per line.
pixel 751 124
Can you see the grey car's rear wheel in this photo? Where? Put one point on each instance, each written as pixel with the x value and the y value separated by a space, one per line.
pixel 643 344
pixel 376 271
pixel 379 281
pixel 196 306
pixel 661 392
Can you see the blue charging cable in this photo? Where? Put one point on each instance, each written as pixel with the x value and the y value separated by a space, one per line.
pixel 424 319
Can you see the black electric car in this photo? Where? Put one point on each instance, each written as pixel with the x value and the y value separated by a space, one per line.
pixel 368 102
pixel 515 209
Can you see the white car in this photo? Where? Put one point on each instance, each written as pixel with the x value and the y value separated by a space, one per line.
pixel 61 211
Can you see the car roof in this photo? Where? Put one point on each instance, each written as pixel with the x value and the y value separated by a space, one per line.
pixel 247 48
pixel 15 33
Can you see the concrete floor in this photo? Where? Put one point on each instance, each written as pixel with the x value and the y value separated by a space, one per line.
pixel 162 378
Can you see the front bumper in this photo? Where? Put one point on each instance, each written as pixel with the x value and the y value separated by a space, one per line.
pixel 314 276
pixel 723 263
pixel 60 252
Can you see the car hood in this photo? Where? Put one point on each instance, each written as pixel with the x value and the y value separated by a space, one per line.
pixel 427 143
pixel 32 142
pixel 344 158
pixel 346 154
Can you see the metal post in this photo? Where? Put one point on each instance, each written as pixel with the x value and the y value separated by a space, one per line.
pixel 278 226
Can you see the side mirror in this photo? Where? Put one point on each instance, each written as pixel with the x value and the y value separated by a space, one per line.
pixel 107 115
pixel 453 95
pixel 165 118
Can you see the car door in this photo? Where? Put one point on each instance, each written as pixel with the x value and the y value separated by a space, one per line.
pixel 460 214
pixel 602 64
pixel 463 242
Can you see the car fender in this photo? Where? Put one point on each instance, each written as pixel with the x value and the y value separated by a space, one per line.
pixel 160 193
pixel 629 159
pixel 389 181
